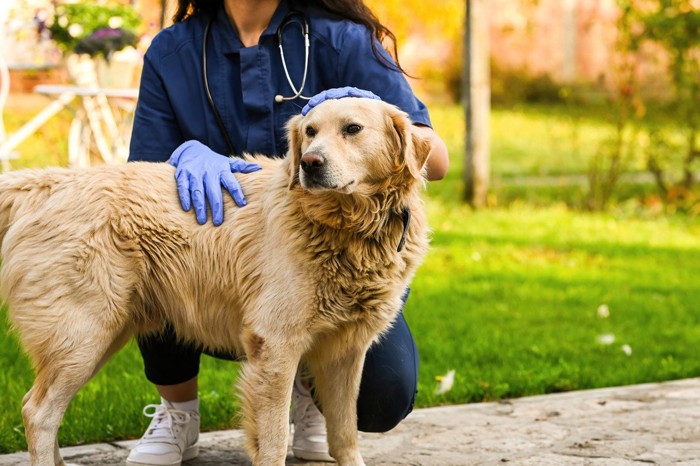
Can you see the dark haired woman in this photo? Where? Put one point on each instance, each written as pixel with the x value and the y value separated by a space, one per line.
pixel 248 84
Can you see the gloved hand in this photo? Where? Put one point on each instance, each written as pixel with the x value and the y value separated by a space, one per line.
pixel 337 93
pixel 200 172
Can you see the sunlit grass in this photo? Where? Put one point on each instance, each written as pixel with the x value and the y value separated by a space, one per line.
pixel 49 144
pixel 508 298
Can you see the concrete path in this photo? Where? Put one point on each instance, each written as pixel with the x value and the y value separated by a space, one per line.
pixel 654 424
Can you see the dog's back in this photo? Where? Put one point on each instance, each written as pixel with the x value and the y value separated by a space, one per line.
pixel 115 238
pixel 26 191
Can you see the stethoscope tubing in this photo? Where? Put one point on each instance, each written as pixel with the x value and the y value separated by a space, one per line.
pixel 207 90
pixel 304 24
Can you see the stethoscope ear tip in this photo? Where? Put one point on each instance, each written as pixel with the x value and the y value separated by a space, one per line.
pixel 279 99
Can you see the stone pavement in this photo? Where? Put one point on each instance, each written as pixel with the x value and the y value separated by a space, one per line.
pixel 657 424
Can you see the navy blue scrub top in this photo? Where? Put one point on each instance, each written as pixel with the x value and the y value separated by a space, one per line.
pixel 173 107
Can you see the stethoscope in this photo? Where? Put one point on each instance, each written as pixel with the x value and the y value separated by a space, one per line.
pixel 293 17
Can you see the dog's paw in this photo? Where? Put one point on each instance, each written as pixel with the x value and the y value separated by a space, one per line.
pixel 350 459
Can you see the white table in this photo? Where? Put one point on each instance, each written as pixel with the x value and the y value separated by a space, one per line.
pixel 101 127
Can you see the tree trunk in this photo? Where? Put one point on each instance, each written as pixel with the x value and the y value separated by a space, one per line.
pixel 477 96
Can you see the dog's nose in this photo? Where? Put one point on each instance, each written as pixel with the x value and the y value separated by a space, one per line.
pixel 312 162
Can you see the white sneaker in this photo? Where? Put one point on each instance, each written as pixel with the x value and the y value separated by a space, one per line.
pixel 310 440
pixel 170 439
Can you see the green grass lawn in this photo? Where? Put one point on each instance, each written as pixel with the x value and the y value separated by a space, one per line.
pixel 510 298
pixel 507 297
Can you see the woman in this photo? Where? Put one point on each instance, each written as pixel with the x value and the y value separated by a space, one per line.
pixel 175 121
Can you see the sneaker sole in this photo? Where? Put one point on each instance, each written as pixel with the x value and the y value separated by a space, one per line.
pixel 191 453
pixel 312 456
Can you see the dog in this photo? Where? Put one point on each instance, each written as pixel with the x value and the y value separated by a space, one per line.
pixel 311 270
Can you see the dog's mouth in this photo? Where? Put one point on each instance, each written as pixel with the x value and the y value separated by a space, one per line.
pixel 314 183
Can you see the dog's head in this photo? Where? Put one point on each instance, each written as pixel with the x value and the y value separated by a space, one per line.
pixel 354 145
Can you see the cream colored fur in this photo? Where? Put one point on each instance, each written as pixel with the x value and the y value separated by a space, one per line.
pixel 308 270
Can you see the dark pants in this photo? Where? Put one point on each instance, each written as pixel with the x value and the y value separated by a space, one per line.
pixel 389 378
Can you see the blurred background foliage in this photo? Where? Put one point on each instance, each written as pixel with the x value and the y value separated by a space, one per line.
pixel 431 39
pixel 634 68
pixel 89 17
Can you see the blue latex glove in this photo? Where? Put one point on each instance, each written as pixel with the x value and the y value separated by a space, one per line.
pixel 200 172
pixel 338 93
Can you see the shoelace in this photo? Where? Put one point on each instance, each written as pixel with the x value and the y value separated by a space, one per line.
pixel 165 420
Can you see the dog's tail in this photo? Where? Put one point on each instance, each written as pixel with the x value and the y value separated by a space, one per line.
pixel 25 191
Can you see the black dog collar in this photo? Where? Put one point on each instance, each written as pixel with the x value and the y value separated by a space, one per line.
pixel 406 218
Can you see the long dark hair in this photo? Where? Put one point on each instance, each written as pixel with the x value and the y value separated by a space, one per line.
pixel 354 10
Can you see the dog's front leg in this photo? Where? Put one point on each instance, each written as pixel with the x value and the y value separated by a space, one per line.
pixel 266 393
pixel 337 384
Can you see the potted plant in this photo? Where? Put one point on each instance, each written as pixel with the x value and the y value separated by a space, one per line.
pixel 92 34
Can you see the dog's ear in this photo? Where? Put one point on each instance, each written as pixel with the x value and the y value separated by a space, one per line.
pixel 419 155
pixel 411 149
pixel 294 139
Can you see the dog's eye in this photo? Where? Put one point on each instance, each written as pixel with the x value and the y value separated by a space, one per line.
pixel 352 128
pixel 310 131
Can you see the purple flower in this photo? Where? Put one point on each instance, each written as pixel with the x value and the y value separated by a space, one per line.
pixel 106 33
pixel 105 41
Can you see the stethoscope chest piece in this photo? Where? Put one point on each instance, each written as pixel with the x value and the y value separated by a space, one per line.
pixel 298 18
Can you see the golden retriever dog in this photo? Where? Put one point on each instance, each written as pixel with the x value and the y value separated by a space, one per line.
pixel 312 270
